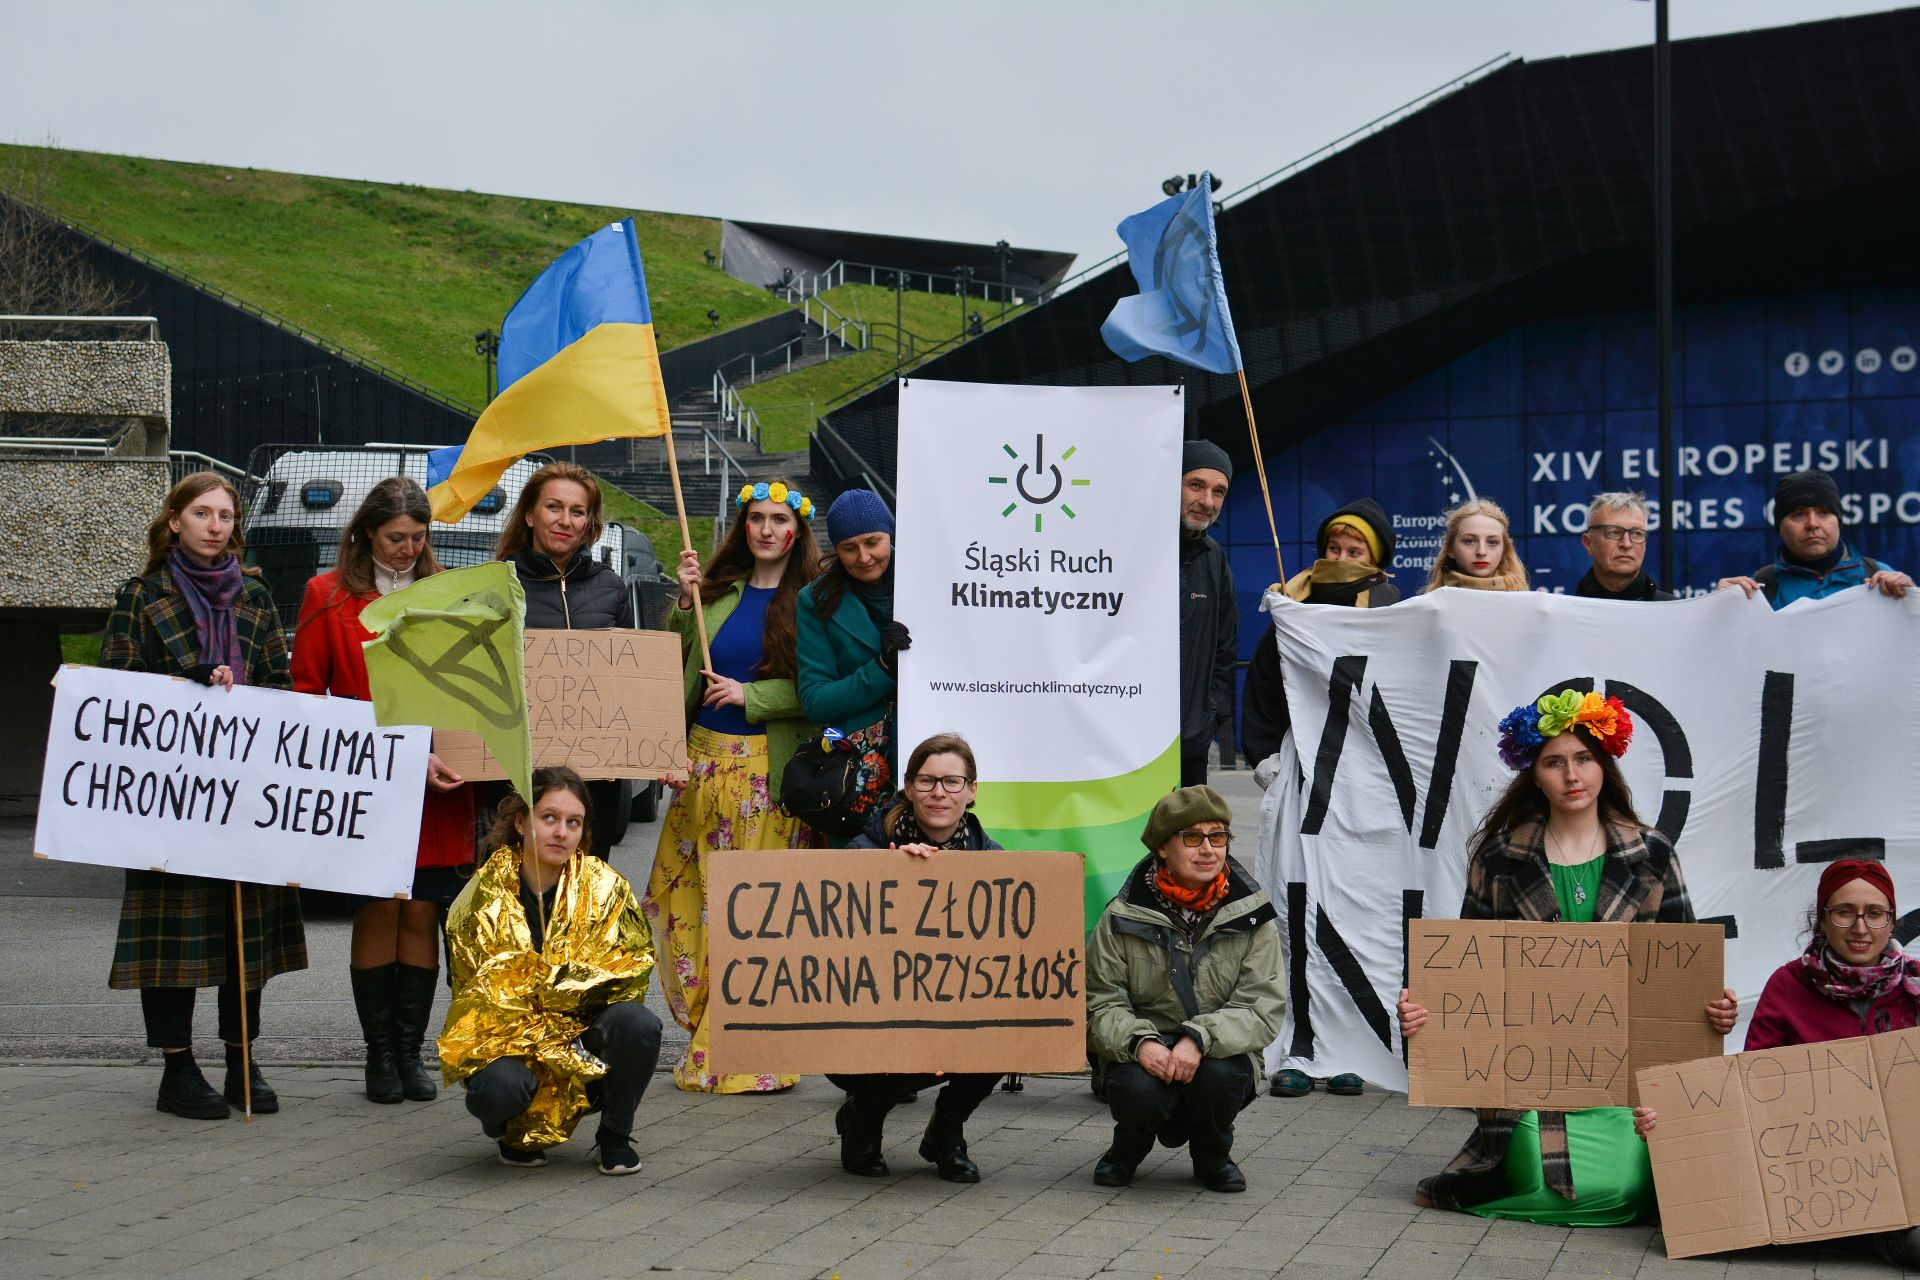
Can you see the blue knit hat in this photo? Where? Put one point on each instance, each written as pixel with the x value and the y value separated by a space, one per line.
pixel 857 512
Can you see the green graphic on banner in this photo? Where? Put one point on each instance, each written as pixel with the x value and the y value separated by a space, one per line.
pixel 1100 818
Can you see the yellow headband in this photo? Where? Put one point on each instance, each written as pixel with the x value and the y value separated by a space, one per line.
pixel 1361 527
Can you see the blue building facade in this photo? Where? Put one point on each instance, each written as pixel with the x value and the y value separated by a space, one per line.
pixel 1553 411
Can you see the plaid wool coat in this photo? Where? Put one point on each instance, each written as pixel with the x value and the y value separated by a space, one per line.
pixel 175 930
pixel 1508 879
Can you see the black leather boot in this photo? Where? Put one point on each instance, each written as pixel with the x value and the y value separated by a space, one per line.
pixel 265 1100
pixel 185 1092
pixel 945 1145
pixel 373 1001
pixel 860 1137
pixel 412 1010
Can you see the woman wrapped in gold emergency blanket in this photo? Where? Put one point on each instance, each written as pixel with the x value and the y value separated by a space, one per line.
pixel 550 960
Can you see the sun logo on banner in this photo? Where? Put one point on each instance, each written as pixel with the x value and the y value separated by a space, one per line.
pixel 1039 482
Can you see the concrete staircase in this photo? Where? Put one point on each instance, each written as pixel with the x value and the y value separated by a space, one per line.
pixel 703 470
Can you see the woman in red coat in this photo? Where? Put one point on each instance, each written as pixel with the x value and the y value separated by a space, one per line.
pixel 1854 979
pixel 396 952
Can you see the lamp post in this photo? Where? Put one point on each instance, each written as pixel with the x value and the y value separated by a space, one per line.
pixel 1005 251
pixel 899 334
pixel 1663 276
pixel 486 345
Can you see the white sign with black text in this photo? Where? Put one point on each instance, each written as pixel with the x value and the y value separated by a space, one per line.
pixel 1766 744
pixel 156 773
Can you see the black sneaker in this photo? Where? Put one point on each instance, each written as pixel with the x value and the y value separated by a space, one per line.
pixel 616 1156
pixel 522 1157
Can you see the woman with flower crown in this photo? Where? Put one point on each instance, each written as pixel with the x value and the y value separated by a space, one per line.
pixel 1562 845
pixel 743 724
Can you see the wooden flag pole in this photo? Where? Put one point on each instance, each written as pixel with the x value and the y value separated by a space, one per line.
pixel 246 1043
pixel 686 542
pixel 1260 465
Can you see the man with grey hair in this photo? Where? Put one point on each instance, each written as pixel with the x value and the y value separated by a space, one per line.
pixel 1616 539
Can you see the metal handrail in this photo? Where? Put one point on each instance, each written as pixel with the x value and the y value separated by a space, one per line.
pixel 241 304
pixel 100 444
pixel 153 324
pixel 824 430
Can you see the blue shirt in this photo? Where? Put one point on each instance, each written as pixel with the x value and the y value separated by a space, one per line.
pixel 737 650
pixel 1795 582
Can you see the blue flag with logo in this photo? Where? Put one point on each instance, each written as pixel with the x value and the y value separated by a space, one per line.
pixel 1181 309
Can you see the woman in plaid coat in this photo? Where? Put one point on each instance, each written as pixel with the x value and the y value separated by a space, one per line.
pixel 1562 845
pixel 195 612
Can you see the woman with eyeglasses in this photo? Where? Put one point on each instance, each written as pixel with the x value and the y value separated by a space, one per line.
pixel 1562 845
pixel 1854 979
pixel 1183 994
pixel 932 813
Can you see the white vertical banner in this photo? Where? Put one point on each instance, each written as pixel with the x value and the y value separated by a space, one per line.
pixel 1038 554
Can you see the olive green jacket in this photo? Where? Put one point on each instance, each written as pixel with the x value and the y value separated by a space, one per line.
pixel 1145 979
pixel 772 704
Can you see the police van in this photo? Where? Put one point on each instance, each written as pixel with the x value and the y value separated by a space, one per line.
pixel 299 498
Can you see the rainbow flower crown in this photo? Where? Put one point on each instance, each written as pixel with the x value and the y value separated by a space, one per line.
pixel 775 492
pixel 1527 728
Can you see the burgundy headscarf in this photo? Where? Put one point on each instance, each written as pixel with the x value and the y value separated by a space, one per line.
pixel 1846 983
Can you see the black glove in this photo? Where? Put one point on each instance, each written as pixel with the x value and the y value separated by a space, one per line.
pixel 202 674
pixel 893 638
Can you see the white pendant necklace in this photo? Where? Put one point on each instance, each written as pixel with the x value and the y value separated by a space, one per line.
pixel 1579 889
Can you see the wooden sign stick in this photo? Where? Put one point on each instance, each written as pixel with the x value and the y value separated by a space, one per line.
pixel 686 541
pixel 240 960
pixel 1260 466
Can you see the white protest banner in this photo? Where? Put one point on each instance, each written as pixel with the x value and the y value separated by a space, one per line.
pixel 1038 553
pixel 1765 744
pixel 263 785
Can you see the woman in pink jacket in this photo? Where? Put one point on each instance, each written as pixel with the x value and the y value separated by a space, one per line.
pixel 1854 979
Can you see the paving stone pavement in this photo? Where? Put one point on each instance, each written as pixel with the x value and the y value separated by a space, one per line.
pixel 96 1182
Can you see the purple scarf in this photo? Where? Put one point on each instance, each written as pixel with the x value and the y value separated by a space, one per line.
pixel 211 592
pixel 1839 981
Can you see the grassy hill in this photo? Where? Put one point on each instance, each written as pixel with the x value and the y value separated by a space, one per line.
pixel 404 275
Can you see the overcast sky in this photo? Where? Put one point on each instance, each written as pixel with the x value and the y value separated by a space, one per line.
pixel 1041 121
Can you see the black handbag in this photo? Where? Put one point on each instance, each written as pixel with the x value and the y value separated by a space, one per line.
pixel 832 786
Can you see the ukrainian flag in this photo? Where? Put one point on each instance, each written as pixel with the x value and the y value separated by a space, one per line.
pixel 578 365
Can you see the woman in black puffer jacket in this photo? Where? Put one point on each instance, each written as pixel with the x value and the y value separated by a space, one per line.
pixel 549 538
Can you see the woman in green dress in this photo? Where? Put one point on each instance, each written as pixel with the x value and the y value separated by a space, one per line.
pixel 1562 845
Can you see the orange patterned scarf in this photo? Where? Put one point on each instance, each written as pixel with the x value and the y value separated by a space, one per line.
pixel 1205 898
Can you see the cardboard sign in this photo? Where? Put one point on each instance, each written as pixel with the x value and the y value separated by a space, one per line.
pixel 864 960
pixel 1555 1017
pixel 155 773
pixel 1785 1145
pixel 607 704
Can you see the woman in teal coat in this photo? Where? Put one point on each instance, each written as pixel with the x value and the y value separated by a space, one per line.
pixel 849 639
pixel 744 721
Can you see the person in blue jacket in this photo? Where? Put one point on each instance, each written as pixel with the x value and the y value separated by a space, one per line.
pixel 849 641
pixel 1814 561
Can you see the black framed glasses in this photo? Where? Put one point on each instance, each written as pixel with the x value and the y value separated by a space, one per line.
pixel 953 784
pixel 1194 839
pixel 1615 533
pixel 1877 918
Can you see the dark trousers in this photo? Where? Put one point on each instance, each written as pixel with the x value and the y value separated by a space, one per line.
pixel 169 1015
pixel 1193 769
pixel 1199 1113
pixel 626 1036
pixel 875 1095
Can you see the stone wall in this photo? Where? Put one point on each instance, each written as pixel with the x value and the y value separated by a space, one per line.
pixel 94 379
pixel 78 529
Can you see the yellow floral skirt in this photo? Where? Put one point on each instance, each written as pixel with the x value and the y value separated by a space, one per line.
pixel 725 805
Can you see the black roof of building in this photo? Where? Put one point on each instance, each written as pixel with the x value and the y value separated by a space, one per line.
pixel 1528 193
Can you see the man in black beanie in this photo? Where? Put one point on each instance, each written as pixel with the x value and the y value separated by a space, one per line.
pixel 1209 615
pixel 1814 561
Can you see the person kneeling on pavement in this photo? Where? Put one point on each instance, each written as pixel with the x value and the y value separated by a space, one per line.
pixel 1183 993
pixel 550 960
